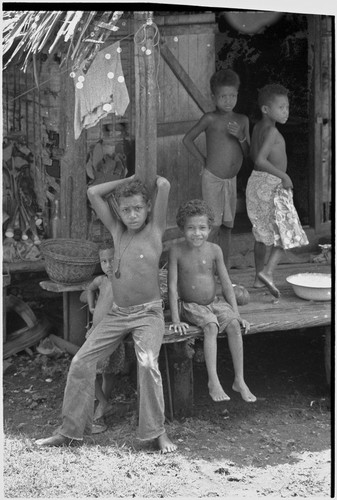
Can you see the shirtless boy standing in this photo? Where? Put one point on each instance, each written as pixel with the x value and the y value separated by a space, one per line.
pixel 227 141
pixel 191 278
pixel 137 308
pixel 269 187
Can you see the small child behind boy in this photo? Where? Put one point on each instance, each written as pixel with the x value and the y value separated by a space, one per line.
pixel 227 142
pixel 191 278
pixel 99 305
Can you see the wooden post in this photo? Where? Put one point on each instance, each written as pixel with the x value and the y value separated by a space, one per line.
pixel 73 192
pixel 146 98
pixel 181 363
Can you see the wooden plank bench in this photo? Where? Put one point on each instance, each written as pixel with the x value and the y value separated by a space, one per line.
pixel 264 313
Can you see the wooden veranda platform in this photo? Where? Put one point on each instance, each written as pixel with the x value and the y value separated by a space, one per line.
pixel 267 314
pixel 264 313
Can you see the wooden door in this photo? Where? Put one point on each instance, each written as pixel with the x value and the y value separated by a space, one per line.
pixel 321 115
pixel 187 61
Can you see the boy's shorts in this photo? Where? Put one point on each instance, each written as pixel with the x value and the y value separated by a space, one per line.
pixel 218 312
pixel 220 195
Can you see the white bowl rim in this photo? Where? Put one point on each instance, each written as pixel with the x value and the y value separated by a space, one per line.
pixel 290 279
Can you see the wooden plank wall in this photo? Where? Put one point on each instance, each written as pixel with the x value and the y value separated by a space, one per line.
pixel 326 79
pixel 192 44
pixel 190 38
pixel 320 122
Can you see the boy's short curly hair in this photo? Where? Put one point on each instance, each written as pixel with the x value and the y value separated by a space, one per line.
pixel 226 77
pixel 106 245
pixel 131 188
pixel 269 92
pixel 192 208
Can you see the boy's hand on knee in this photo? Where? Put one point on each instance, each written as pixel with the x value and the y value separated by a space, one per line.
pixel 180 328
pixel 245 325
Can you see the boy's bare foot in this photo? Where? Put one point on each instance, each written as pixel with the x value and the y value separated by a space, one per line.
pixel 269 284
pixel 102 409
pixel 165 444
pixel 258 283
pixel 242 388
pixel 217 393
pixel 58 440
pixel 98 428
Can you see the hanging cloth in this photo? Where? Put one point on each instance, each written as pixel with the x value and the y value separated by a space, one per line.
pixel 288 229
pixel 101 90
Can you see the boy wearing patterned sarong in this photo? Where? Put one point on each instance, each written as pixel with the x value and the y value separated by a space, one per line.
pixel 269 198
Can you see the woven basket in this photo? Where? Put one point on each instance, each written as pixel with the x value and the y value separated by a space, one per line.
pixel 69 261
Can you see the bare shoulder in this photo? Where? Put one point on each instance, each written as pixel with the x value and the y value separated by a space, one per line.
pixel 209 118
pixel 97 281
pixel 214 249
pixel 177 249
pixel 151 233
pixel 269 131
pixel 101 280
pixel 263 133
pixel 241 118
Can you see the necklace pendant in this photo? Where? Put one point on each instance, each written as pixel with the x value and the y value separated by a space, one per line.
pixel 117 274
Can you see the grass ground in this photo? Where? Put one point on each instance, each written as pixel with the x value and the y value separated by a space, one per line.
pixel 277 447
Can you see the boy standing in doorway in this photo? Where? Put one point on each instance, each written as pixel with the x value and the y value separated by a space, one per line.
pixel 227 142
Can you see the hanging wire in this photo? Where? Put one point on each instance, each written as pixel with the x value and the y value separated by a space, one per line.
pixel 143 31
pixel 144 28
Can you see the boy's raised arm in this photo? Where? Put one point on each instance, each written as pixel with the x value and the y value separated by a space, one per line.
pixel 159 212
pixel 97 195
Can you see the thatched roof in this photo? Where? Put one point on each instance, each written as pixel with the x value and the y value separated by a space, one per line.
pixel 75 35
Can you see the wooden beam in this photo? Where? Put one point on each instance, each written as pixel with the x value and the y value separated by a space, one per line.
pixel 203 103
pixel 73 192
pixel 188 29
pixel 186 19
pixel 146 99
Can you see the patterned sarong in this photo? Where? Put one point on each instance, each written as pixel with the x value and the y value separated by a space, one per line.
pixel 272 212
pixel 288 229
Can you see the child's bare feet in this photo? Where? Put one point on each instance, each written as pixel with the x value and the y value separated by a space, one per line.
pixel 102 409
pixel 58 440
pixel 165 444
pixel 268 281
pixel 242 388
pixel 217 393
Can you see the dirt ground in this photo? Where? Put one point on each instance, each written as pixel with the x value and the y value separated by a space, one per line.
pixel 280 443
